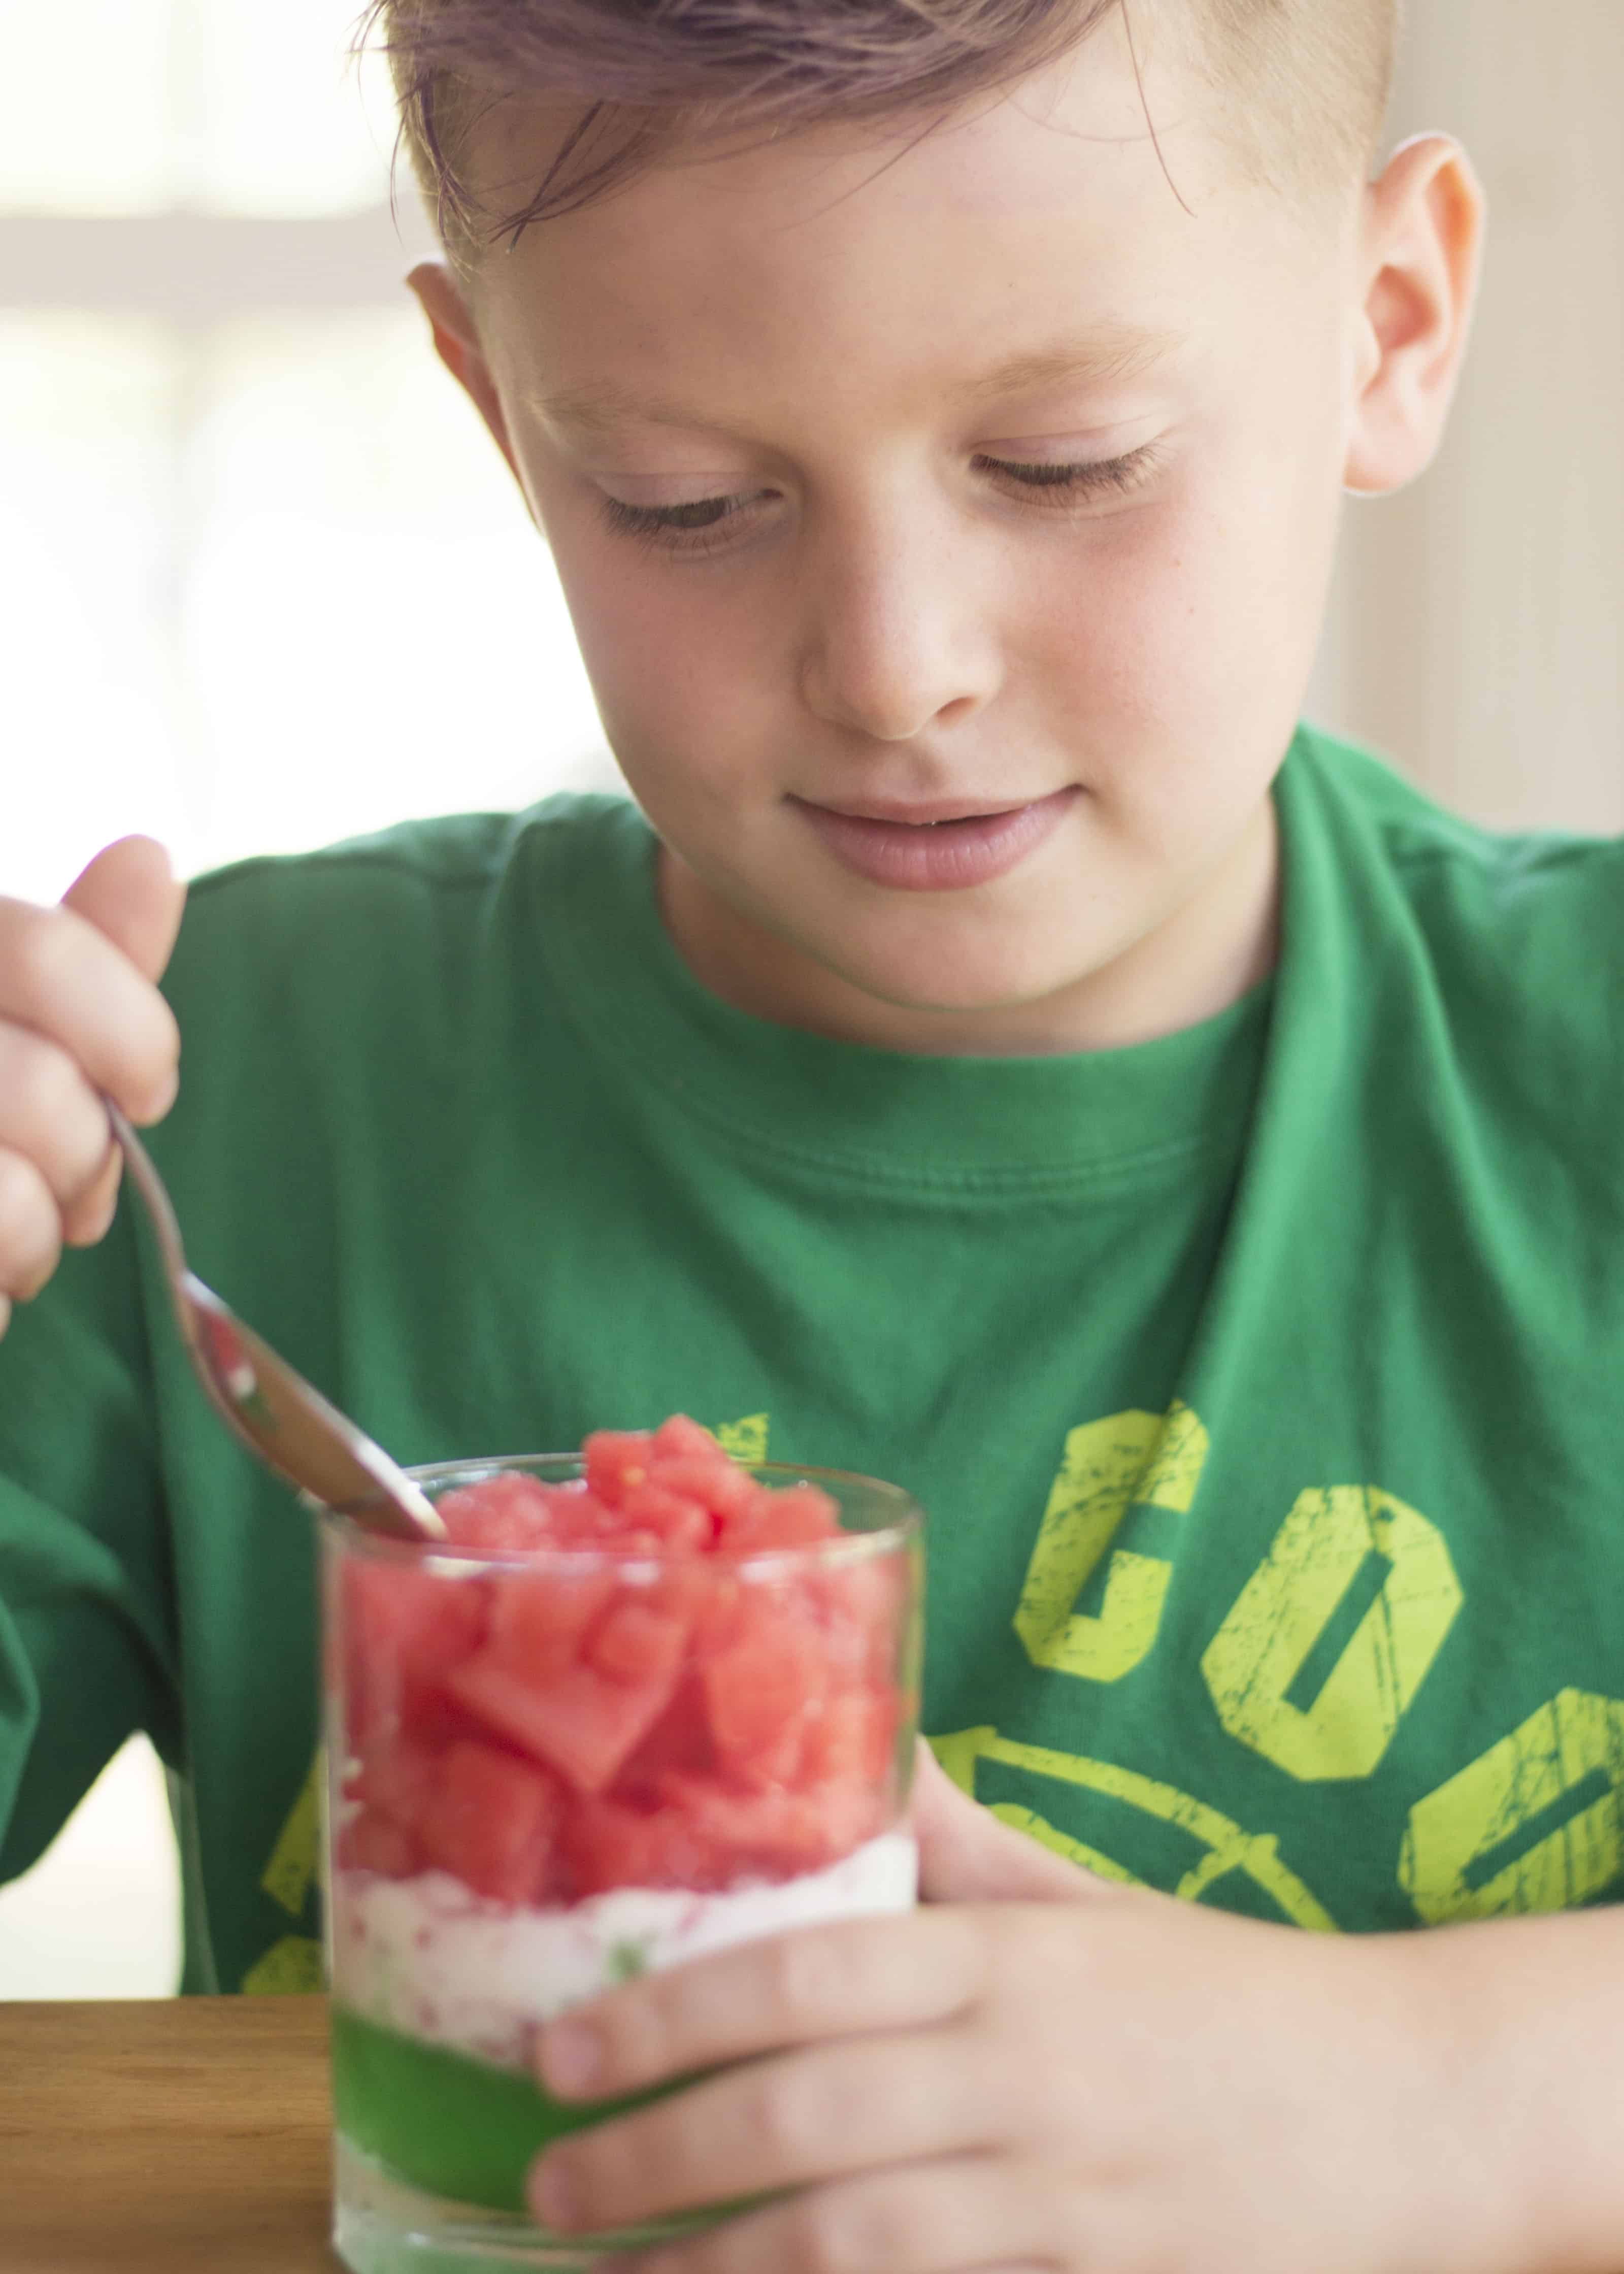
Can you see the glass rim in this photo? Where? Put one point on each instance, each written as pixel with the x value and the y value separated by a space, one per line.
pixel 905 1527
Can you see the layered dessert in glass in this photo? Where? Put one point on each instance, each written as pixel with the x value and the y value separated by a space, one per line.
pixel 642 1704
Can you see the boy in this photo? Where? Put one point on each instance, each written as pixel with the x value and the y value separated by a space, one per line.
pixel 1194 1175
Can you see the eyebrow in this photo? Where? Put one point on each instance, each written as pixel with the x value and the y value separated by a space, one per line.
pixel 1112 354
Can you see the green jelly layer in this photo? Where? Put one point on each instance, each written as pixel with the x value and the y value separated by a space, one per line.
pixel 452 2126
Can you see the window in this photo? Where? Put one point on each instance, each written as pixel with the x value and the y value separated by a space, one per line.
pixel 265 580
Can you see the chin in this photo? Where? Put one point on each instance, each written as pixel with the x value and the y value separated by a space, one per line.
pixel 974 989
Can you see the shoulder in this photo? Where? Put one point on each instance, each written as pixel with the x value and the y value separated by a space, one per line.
pixel 1531 916
pixel 421 893
pixel 412 868
pixel 1487 968
pixel 418 947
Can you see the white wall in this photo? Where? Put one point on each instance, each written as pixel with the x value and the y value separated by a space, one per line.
pixel 1477 626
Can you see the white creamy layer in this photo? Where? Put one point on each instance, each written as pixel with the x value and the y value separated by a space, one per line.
pixel 426 1957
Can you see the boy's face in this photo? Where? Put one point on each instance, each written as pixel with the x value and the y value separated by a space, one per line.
pixel 880 353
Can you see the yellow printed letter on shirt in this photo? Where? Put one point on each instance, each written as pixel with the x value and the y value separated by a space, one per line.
pixel 1265 1645
pixel 1130 1459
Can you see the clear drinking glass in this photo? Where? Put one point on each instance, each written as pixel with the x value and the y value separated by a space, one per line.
pixel 550 1770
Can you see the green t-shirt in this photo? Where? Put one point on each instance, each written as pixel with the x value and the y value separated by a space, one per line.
pixel 1264 1385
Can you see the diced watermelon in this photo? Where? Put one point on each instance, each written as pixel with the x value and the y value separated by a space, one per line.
pixel 506 1510
pixel 761 1692
pixel 680 1739
pixel 608 1844
pixel 687 1590
pixel 579 1519
pixel 638 1644
pixel 616 1460
pixel 723 1618
pixel 777 1832
pixel 403 1631
pixel 853 1739
pixel 492 1822
pixel 859 1606
pixel 372 1842
pixel 538 1623
pixel 800 1516
pixel 677 1522
pixel 395 1780
pixel 710 1480
pixel 575 1721
pixel 680 1438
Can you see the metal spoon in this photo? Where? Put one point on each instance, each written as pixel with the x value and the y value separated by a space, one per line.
pixel 261 1399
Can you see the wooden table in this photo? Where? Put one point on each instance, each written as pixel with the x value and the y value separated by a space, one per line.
pixel 186 2135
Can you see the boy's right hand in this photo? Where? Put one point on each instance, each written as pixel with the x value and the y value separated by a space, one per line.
pixel 80 1016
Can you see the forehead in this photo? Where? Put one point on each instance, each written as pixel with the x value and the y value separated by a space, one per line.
pixel 1033 237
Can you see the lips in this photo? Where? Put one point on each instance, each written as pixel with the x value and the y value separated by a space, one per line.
pixel 947 847
pixel 926 815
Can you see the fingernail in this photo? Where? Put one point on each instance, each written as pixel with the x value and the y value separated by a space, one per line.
pixel 572 2056
pixel 553 2195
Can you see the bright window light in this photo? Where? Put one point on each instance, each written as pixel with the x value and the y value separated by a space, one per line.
pixel 84 107
pixel 283 124
pixel 265 579
pixel 147 106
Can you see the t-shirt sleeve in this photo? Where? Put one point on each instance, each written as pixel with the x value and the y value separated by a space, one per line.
pixel 88 1619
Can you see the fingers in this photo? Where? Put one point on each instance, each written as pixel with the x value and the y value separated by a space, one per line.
pixel 80 1019
pixel 60 979
pixel 49 1115
pixel 30 1229
pixel 860 1976
pixel 90 1217
pixel 131 895
pixel 960 2215
pixel 839 2108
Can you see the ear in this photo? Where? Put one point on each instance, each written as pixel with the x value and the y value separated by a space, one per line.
pixel 1420 254
pixel 456 341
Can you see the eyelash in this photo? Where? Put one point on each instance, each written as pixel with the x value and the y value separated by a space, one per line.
pixel 667 528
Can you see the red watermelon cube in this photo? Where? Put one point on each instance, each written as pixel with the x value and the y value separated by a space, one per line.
pixel 761 1692
pixel 403 1631
pixel 576 1721
pixel 491 1822
pixel 638 1644
pixel 608 1844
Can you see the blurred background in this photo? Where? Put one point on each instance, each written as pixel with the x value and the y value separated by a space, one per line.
pixel 264 582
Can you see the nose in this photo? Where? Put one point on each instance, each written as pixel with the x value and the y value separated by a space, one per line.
pixel 899 633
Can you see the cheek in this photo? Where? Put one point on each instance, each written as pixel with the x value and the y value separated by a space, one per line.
pixel 674 669
pixel 681 671
pixel 1135 643
pixel 1186 650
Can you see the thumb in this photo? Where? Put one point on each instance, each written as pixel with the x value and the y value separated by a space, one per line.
pixel 133 898
pixel 966 1856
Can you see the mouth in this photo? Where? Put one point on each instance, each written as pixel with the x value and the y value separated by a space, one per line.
pixel 949 845
pixel 941 815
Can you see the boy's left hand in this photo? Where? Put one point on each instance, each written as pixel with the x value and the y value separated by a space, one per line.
pixel 1111 2080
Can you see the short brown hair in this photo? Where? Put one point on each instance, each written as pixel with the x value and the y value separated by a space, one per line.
pixel 1305 83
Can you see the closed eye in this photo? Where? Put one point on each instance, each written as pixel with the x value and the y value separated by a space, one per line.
pixel 645 519
pixel 702 525
pixel 1084 477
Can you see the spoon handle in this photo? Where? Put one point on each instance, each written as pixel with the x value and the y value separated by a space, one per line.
pixel 275 1413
